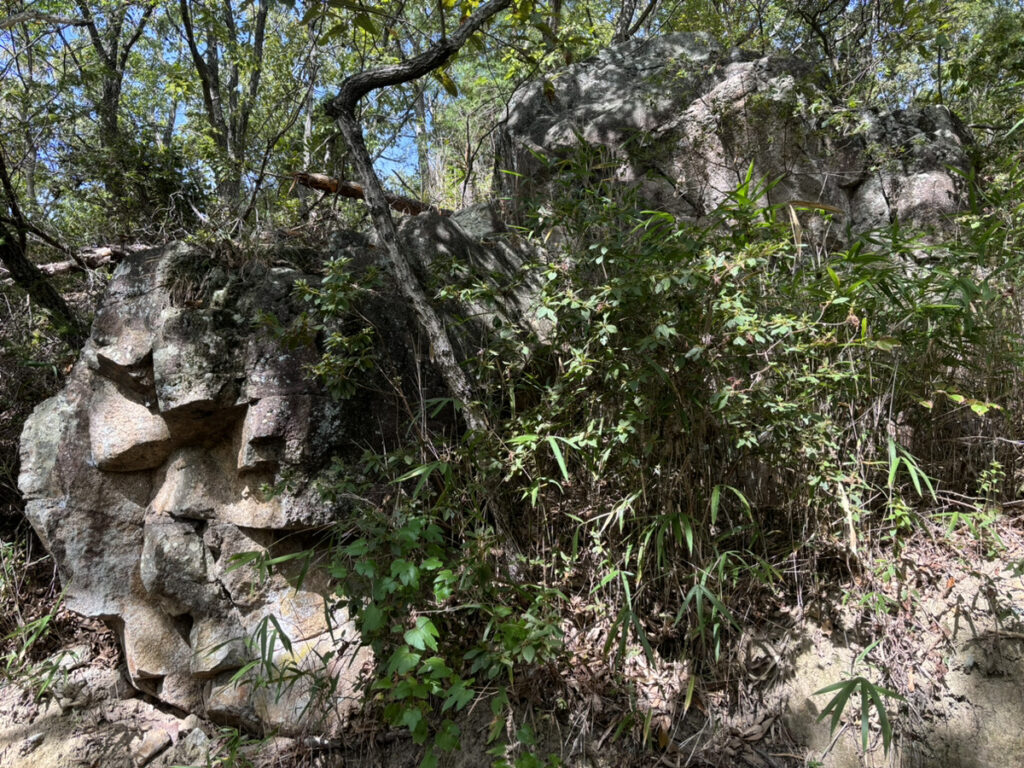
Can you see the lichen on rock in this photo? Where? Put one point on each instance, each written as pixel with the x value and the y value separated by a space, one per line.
pixel 152 470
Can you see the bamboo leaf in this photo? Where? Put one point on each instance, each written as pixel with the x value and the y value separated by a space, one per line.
pixel 553 442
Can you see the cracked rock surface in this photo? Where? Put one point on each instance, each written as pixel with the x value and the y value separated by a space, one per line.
pixel 680 121
pixel 150 471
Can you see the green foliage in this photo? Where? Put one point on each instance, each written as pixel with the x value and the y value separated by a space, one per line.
pixel 142 143
pixel 347 338
pixel 233 749
pixel 689 356
pixel 711 399
pixel 27 630
pixel 870 697
pixel 443 631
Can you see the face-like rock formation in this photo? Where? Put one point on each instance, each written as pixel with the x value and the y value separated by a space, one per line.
pixel 183 454
pixel 162 460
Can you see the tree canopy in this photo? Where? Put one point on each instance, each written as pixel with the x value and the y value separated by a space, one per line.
pixel 123 119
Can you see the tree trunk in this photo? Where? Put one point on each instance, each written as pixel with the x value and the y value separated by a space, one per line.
pixel 422 147
pixel 343 108
pixel 456 379
pixel 26 275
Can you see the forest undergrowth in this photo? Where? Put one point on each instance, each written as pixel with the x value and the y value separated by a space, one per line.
pixel 714 435
pixel 725 427
pixel 719 430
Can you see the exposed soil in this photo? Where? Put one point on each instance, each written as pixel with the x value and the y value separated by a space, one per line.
pixel 950 638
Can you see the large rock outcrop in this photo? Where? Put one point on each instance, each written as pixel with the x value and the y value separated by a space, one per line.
pixel 188 438
pixel 681 121
pixel 156 466
pixel 187 442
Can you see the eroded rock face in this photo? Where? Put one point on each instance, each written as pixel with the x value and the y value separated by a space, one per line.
pixel 187 438
pixel 681 121
pixel 150 472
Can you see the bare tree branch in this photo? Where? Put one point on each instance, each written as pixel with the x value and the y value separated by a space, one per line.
pixel 359 85
pixel 27 16
pixel 355 191
pixel 139 29
pixel 343 108
pixel 93 257
pixel 94 36
pixel 206 81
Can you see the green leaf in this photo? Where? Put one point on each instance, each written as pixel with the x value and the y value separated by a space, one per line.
pixel 838 703
pixel 372 618
pixel 436 668
pixel 242 559
pixel 553 442
pixel 832 274
pixel 405 572
pixel 523 9
pixel 829 688
pixel 1015 128
pixel 885 344
pixel 423 472
pixel 357 548
pixel 365 23
pixel 521 439
pixel 281 634
pixel 871 695
pixel 476 42
pixel 883 718
pixel 459 695
pixel 402 661
pixel 447 738
pixel 447 83
pixel 411 717
pixel 894 462
pixel 444 585
pixel 423 635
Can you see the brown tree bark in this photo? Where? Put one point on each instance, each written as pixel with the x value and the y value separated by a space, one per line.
pixel 355 191
pixel 227 101
pixel 30 279
pixel 113 45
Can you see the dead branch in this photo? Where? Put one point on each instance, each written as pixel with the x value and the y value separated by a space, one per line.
pixel 355 191
pixel 91 258
pixel 343 109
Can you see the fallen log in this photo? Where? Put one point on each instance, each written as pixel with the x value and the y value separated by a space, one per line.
pixel 355 191
pixel 93 258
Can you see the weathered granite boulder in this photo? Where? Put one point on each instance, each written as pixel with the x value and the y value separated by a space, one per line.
pixel 152 470
pixel 188 437
pixel 681 121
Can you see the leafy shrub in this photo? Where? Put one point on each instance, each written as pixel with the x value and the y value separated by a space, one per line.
pixel 713 401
